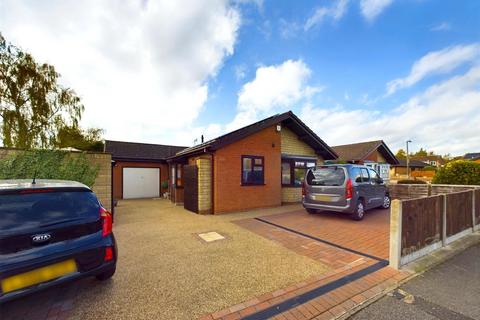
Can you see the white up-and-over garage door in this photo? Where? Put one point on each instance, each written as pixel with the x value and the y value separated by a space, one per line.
pixel 141 183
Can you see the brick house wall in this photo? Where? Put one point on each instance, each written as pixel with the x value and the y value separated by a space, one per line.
pixel 118 175
pixel 292 145
pixel 229 194
pixel 103 181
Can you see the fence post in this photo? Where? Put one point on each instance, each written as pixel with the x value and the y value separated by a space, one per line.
pixel 395 234
pixel 444 220
pixel 474 228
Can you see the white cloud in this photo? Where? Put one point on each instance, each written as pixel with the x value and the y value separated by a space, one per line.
pixel 370 9
pixel 443 118
pixel 141 68
pixel 240 71
pixel 289 30
pixel 334 12
pixel 437 62
pixel 275 89
pixel 444 26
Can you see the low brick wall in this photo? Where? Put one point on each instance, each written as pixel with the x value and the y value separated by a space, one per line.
pixel 103 182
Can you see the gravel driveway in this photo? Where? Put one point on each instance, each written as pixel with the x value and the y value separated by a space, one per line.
pixel 166 272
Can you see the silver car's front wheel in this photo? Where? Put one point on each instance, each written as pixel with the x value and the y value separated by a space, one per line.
pixel 359 211
pixel 386 202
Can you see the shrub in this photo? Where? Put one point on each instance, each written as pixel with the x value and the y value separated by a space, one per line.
pixel 164 184
pixel 48 164
pixel 459 172
pixel 411 182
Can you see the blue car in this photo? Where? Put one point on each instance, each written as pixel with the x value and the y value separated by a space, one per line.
pixel 52 232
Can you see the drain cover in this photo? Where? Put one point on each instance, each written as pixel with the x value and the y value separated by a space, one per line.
pixel 211 236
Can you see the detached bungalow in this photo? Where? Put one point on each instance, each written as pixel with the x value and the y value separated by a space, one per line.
pixel 375 154
pixel 260 165
pixel 400 169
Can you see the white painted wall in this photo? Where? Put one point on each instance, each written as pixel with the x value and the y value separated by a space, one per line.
pixel 141 183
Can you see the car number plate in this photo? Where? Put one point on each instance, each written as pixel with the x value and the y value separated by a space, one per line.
pixel 322 198
pixel 30 278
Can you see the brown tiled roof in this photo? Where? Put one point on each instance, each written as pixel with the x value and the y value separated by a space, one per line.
pixel 428 158
pixel 360 151
pixel 412 163
pixel 140 151
pixel 287 119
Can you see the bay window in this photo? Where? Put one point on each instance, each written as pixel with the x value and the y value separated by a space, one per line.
pixel 293 171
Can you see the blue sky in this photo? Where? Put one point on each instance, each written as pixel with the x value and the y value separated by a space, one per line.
pixel 353 70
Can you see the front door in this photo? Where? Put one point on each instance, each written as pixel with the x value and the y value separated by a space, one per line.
pixel 190 188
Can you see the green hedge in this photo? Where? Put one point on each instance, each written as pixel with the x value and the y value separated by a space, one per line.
pixel 48 164
pixel 459 172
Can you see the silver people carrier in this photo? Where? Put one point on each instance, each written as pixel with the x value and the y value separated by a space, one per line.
pixel 347 188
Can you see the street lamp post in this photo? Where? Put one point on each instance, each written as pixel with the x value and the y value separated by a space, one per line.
pixel 408 160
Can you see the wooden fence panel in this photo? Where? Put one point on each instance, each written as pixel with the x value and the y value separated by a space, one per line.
pixel 445 189
pixel 459 212
pixel 421 223
pixel 477 206
pixel 408 191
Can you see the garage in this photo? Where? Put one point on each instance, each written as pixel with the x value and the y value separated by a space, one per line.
pixel 139 170
pixel 141 183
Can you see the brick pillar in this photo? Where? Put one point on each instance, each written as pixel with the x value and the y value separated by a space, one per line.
pixel 204 186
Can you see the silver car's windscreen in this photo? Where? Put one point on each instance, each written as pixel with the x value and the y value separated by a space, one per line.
pixel 326 176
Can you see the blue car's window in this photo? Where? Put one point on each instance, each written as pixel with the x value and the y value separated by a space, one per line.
pixel 32 210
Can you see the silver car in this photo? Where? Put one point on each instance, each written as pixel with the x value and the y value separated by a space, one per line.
pixel 347 188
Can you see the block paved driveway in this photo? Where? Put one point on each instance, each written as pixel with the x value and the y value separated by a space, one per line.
pixel 369 236
pixel 356 251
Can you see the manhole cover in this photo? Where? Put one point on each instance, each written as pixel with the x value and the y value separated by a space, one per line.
pixel 211 236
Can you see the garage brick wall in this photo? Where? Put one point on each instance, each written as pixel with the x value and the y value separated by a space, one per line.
pixel 229 194
pixel 102 185
pixel 292 145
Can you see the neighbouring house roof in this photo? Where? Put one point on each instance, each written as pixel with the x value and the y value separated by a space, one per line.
pixel 134 151
pixel 472 156
pixel 427 159
pixel 360 151
pixel 287 119
pixel 412 163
